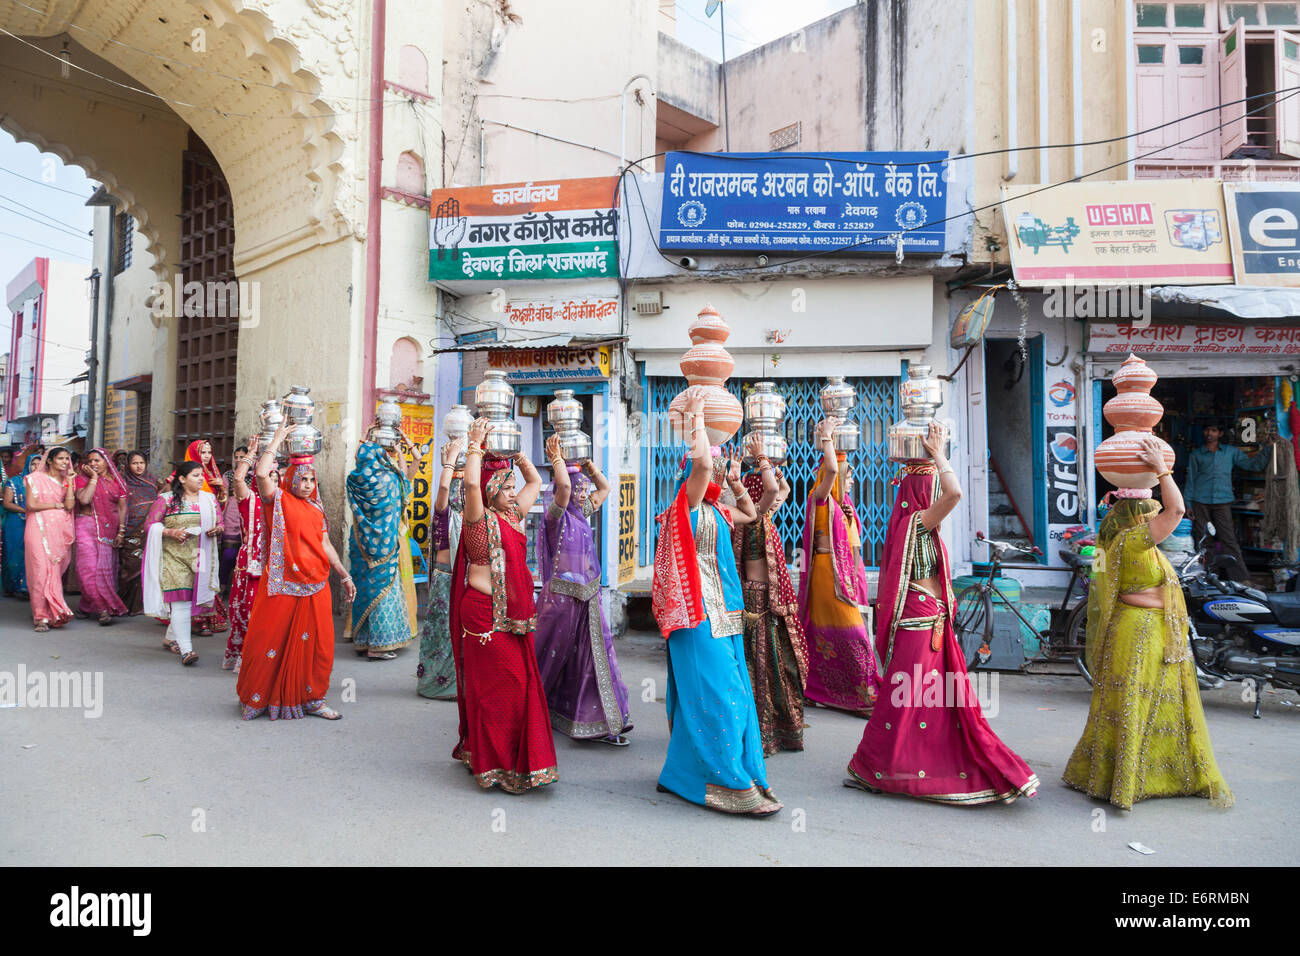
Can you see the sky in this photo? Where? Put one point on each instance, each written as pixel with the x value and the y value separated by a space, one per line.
pixel 59 230
pixel 750 23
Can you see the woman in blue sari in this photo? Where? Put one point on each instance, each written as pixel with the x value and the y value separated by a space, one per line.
pixel 715 748
pixel 13 571
pixel 376 491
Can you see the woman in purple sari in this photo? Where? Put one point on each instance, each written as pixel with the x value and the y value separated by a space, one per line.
pixel 575 650
pixel 101 531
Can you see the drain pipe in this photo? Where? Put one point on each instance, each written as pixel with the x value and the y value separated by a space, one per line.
pixel 374 212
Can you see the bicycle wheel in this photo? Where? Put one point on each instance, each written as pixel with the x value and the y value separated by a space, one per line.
pixel 1076 635
pixel 973 622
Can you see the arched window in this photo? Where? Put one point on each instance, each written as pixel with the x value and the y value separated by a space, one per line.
pixel 410 174
pixel 405 369
pixel 413 69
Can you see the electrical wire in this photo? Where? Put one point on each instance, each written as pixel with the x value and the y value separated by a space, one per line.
pixel 73 255
pixel 70 192
pixel 194 106
pixel 52 224
pixel 969 212
pixel 182 63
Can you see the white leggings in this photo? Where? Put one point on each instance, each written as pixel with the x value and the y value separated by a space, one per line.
pixel 178 629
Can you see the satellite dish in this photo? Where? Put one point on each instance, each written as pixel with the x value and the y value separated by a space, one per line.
pixel 712 7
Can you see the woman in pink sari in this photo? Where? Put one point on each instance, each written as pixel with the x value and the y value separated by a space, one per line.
pixel 842 670
pixel 101 531
pixel 927 736
pixel 248 563
pixel 47 540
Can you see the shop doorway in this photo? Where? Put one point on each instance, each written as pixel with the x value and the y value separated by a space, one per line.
pixel 1245 408
pixel 1015 505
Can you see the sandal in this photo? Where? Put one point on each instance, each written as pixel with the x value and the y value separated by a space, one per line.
pixel 42 626
pixel 614 740
pixel 105 619
pixel 171 646
pixel 190 658
pixel 857 784
pixel 386 656
pixel 329 713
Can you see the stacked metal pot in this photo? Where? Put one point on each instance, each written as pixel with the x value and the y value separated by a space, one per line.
pixel 455 424
pixel 765 412
pixel 920 396
pixel 838 402
pixel 495 398
pixel 390 418
pixel 565 416
pixel 304 438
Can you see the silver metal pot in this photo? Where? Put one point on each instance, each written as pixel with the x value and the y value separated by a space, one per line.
pixel 298 405
pixel 921 394
pixel 455 424
pixel 772 444
pixel 905 442
pixel 303 439
pixel 846 436
pixel 385 436
pixel 389 413
pixel 764 406
pixel 565 412
pixel 494 396
pixel 838 397
pixel 504 440
pixel 271 417
pixel 574 445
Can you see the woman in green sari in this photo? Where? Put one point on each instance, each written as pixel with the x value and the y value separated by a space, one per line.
pixel 1146 734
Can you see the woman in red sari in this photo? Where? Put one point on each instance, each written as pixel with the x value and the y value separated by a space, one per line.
pixel 927 736
pixel 248 563
pixel 505 727
pixel 288 653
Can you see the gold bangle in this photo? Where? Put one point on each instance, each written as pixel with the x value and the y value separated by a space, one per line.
pixel 473 451
pixel 1163 473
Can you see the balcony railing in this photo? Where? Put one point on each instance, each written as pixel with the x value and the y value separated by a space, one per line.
pixel 1228 170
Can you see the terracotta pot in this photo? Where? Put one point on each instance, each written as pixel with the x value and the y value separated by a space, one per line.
pixel 709 326
pixel 1133 411
pixel 722 414
pixel 707 364
pixel 1117 460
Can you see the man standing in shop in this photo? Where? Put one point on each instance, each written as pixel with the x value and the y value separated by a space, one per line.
pixel 1209 489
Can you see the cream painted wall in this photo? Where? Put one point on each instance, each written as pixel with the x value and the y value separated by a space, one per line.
pixel 1100 52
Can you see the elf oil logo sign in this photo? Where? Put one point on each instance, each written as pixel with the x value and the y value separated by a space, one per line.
pixel 1265 222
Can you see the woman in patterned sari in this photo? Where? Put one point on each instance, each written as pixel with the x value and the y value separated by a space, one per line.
pixel 927 736
pixel 101 531
pixel 842 670
pixel 217 619
pixel 1146 734
pixel 436 672
pixel 288 652
pixel 248 561
pixel 377 490
pixel 181 573
pixel 776 650
pixel 575 650
pixel 715 748
pixel 141 493
pixel 505 732
pixel 48 536
pixel 14 573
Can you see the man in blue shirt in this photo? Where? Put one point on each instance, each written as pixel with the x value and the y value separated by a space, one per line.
pixel 1209 491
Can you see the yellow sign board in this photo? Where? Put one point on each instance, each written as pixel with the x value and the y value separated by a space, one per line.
pixel 626 528
pixel 1131 232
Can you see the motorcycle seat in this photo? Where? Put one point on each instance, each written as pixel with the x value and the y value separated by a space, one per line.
pixel 1286 607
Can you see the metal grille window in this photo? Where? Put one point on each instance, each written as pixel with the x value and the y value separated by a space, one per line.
pixel 872 493
pixel 786 136
pixel 206 342
pixel 123 231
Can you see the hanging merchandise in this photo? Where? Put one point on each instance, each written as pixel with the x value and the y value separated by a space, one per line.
pixel 969 327
pixel 1281 518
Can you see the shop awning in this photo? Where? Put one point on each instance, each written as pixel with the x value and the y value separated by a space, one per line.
pixel 555 341
pixel 1247 302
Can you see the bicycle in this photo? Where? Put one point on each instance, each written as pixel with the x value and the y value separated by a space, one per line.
pixel 973 615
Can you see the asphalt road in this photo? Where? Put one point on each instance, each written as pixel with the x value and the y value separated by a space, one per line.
pixel 169 774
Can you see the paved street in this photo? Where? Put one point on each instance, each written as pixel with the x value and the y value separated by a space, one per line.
pixel 378 787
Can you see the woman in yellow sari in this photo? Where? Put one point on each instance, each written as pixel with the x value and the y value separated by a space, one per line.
pixel 1146 734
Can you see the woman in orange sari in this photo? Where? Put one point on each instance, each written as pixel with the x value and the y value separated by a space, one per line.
pixel 288 653
pixel 47 539
pixel 218 621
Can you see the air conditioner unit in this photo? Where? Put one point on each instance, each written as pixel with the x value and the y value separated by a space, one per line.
pixel 649 303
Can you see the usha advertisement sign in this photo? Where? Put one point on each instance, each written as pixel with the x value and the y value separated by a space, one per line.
pixel 1130 232
pixel 559 229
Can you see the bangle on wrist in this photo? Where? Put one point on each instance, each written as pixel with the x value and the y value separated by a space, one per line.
pixel 1164 474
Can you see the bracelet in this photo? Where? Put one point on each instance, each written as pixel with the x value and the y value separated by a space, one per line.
pixel 558 463
pixel 473 451
pixel 946 471
pixel 1163 473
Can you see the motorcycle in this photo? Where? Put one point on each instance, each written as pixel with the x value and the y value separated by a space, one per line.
pixel 1237 632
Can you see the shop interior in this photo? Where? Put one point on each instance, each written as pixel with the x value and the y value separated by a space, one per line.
pixel 1245 407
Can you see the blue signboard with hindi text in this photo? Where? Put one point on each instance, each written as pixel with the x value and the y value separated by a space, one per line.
pixel 828 202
